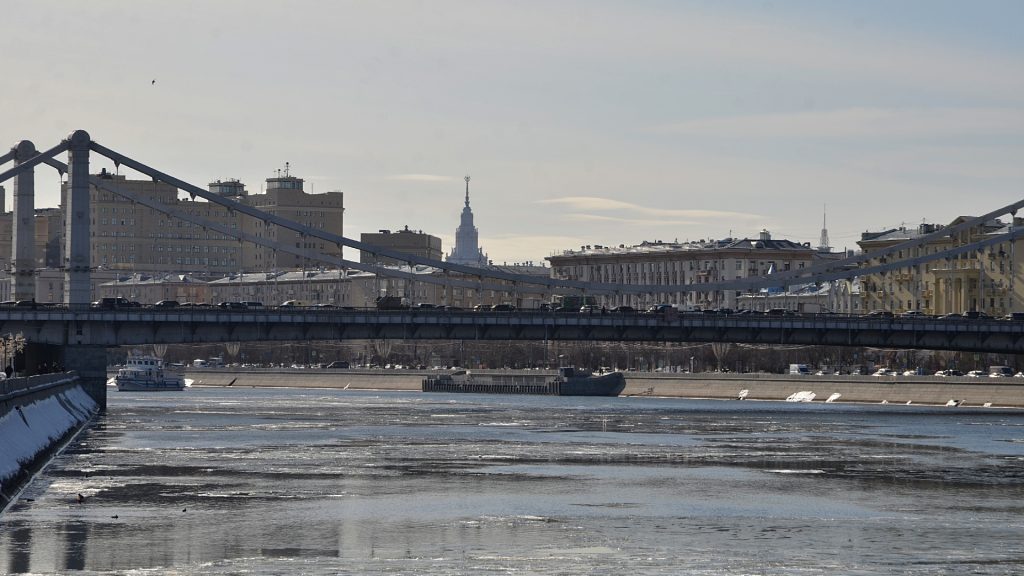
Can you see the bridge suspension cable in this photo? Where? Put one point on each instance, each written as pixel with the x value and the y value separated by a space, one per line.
pixel 816 273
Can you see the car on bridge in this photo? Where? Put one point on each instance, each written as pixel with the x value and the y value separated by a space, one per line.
pixel 166 304
pixel 114 303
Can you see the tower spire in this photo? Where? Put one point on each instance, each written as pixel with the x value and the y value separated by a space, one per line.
pixel 467 190
pixel 823 241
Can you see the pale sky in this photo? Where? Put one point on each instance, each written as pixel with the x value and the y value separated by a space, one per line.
pixel 590 122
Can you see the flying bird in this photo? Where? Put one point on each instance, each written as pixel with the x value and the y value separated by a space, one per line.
pixel 153 82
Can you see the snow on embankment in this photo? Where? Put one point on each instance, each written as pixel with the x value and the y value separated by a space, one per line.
pixel 29 431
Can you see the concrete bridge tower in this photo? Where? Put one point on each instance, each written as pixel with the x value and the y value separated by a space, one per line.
pixel 76 215
pixel 24 226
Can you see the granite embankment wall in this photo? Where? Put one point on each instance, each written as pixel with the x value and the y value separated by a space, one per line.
pixel 1003 392
pixel 38 415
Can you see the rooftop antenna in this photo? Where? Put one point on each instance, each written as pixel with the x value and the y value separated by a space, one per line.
pixel 286 167
pixel 823 241
pixel 467 190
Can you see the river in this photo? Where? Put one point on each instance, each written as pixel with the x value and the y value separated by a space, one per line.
pixel 303 481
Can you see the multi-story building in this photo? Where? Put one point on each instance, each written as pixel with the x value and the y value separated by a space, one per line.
pixel 49 232
pixel 308 287
pixel 341 288
pixel 131 237
pixel 50 284
pixel 838 296
pixel 673 263
pixel 405 241
pixel 152 288
pixel 467 239
pixel 286 198
pixel 988 280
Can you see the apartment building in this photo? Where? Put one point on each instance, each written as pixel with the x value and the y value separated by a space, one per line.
pixel 417 243
pixel 987 281
pixel 673 263
pixel 132 237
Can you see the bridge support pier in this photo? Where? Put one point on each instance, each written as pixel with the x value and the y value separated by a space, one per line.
pixel 24 226
pixel 91 364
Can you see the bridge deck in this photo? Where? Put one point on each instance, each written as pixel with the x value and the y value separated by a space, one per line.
pixel 134 326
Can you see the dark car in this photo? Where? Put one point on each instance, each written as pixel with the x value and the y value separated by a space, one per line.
pixel 112 303
pixel 232 306
pixel 252 304
pixel 166 304
pixel 879 314
pixel 338 364
pixel 503 308
pixel 624 310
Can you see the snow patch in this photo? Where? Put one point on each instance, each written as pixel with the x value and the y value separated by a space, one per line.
pixel 32 428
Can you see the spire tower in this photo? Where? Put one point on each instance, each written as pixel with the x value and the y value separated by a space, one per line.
pixel 823 241
pixel 467 250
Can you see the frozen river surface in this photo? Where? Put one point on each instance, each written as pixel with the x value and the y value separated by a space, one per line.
pixel 272 481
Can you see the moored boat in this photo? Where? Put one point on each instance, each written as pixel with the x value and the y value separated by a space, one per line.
pixel 149 374
pixel 568 382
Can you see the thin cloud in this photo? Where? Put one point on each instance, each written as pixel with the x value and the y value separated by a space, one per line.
pixel 597 204
pixel 847 123
pixel 633 221
pixel 421 178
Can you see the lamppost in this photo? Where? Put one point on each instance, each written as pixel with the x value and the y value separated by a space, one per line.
pixel 691 364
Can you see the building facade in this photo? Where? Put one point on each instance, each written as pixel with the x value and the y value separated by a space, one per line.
pixel 406 241
pixel 674 263
pixel 128 236
pixel 467 250
pixel 285 197
pixel 987 280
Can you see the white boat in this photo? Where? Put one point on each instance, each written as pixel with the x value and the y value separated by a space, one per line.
pixel 149 374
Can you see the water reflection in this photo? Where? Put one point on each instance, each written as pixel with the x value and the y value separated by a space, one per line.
pixel 20 542
pixel 76 535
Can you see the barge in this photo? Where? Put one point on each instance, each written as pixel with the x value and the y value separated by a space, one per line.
pixel 568 382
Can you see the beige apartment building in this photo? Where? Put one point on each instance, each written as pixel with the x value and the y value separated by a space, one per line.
pixel 417 243
pixel 131 237
pixel 988 280
pixel 674 263
pixel 285 197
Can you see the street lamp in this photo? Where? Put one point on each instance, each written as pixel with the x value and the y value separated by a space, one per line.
pixel 691 364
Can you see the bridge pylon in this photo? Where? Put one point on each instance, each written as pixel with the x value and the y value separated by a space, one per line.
pixel 76 237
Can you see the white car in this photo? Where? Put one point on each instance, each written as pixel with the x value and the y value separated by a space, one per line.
pixel 976 374
pixel 884 372
pixel 910 372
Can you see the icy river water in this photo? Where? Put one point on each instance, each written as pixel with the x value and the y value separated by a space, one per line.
pixel 299 481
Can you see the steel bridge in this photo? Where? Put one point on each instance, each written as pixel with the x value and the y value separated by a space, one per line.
pixel 82 334
pixel 135 326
